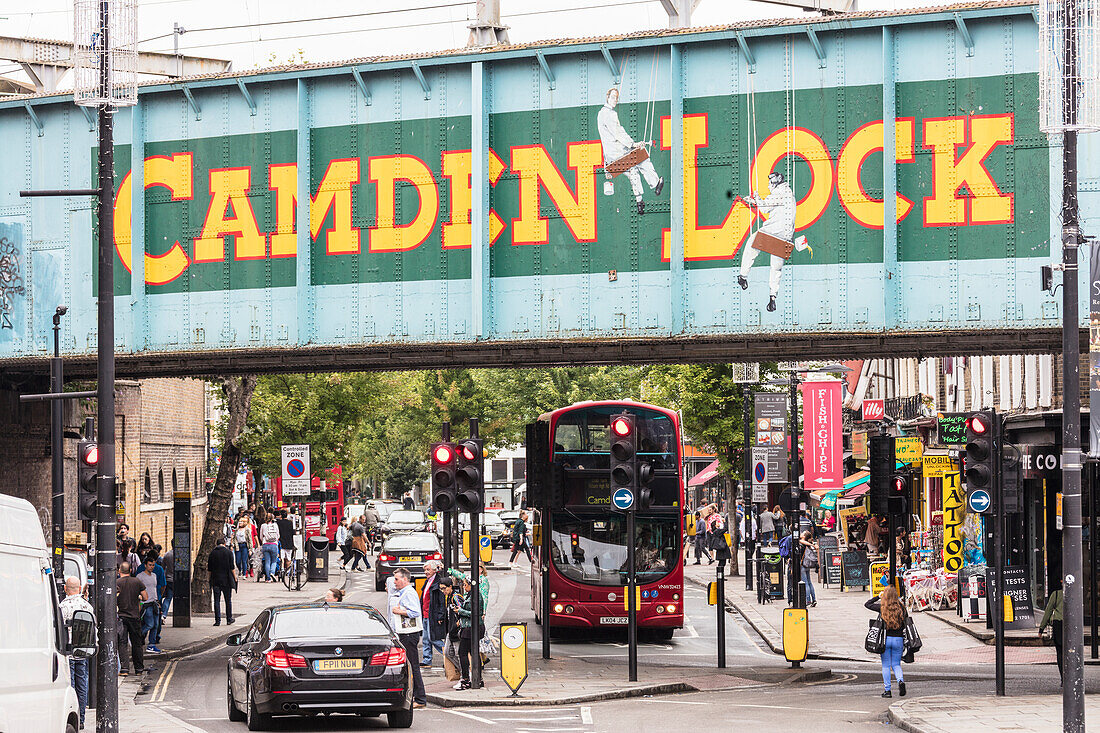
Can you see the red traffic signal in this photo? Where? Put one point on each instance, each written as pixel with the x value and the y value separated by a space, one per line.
pixel 443 453
pixel 621 426
pixel 978 424
pixel 468 451
pixel 90 454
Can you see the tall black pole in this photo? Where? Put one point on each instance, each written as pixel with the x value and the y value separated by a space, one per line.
pixel 746 486
pixel 722 615
pixel 998 598
pixel 448 515
pixel 544 576
pixel 57 450
pixel 1073 686
pixel 475 579
pixel 796 494
pixel 631 599
pixel 106 677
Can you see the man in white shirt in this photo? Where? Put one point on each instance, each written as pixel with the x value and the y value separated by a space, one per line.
pixel 78 668
pixel 779 206
pixel 617 143
pixel 406 619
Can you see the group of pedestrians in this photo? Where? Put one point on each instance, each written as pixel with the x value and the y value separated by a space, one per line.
pixel 355 539
pixel 262 541
pixel 155 572
pixel 708 535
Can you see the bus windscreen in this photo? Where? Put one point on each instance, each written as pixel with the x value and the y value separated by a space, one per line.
pixel 593 550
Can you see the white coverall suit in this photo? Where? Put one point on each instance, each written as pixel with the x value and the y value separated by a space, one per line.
pixel 780 208
pixel 616 143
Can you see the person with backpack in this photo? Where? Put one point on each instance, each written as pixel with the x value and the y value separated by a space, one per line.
pixel 808 565
pixel 892 612
pixel 716 535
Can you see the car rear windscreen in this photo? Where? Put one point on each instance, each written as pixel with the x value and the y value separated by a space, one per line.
pixel 325 623
pixel 420 541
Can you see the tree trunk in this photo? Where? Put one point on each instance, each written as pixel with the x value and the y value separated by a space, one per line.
pixel 238 401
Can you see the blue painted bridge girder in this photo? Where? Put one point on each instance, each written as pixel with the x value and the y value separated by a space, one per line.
pixel 463 208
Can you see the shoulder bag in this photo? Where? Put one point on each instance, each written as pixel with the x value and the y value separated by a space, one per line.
pixel 913 641
pixel 875 641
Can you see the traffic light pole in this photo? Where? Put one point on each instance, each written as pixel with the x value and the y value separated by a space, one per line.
pixel 747 538
pixel 475 580
pixel 57 450
pixel 631 600
pixel 106 672
pixel 448 516
pixel 998 562
pixel 796 498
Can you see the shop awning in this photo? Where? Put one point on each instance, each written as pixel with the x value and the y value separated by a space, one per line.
pixel 829 500
pixel 856 479
pixel 705 475
pixel 858 491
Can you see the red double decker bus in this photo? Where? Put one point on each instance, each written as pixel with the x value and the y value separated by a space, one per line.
pixel 324 507
pixel 586 556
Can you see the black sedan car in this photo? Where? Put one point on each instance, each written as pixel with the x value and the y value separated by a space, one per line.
pixel 407 550
pixel 310 658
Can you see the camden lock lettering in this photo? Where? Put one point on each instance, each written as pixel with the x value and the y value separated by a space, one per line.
pixel 402 202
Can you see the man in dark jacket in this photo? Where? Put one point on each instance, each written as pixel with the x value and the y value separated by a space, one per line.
pixel 434 607
pixel 223 580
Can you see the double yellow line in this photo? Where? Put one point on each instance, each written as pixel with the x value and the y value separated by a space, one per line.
pixel 161 688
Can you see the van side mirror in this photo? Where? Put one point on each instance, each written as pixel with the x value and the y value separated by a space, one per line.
pixel 82 635
pixel 233 640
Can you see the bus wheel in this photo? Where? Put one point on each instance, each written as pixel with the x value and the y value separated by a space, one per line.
pixel 663 634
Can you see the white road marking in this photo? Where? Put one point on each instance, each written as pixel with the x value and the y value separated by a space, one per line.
pixel 529 719
pixel 471 717
pixel 586 715
pixel 678 702
pixel 787 707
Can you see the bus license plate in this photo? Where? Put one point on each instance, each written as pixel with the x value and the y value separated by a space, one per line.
pixel 409 558
pixel 337 665
pixel 613 620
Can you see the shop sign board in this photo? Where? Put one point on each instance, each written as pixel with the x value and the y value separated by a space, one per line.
pixel 1040 461
pixel 859 446
pixel 770 413
pixel 874 410
pixel 880 573
pixel 938 466
pixel 952 428
pixel 832 567
pixel 855 570
pixel 954 503
pixel 908 449
pixel 1019 608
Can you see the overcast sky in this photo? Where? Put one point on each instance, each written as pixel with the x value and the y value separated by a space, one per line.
pixel 395 27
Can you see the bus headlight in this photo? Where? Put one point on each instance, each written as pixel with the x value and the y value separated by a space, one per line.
pixel 670 608
pixel 558 608
pixel 569 609
pixel 660 609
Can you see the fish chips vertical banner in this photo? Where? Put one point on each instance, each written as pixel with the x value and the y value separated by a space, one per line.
pixel 1094 350
pixel 822 441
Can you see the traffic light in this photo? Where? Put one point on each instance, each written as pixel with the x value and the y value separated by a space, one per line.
pixel 469 474
pixel 882 463
pixel 1010 477
pixel 899 495
pixel 87 462
pixel 624 454
pixel 981 453
pixel 645 476
pixel 443 476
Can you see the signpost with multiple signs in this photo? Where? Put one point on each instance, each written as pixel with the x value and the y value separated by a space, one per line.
pixel 770 413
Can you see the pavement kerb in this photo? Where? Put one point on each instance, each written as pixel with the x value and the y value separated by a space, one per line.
pixel 445 700
pixel 768 634
pixel 778 677
pixel 903 722
pixel 216 641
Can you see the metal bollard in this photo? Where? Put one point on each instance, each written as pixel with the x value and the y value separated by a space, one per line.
pixel 721 605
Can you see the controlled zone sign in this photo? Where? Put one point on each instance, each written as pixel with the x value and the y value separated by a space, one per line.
pixel 759 474
pixel 296 471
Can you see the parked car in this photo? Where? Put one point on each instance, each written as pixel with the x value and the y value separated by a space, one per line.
pixel 310 658
pixel 407 550
pixel 509 517
pixel 35 693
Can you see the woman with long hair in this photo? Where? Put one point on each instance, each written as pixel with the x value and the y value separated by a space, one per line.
pixel 889 607
pixel 808 563
pixel 144 545
pixel 716 535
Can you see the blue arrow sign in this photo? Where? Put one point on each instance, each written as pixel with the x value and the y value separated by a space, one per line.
pixel 623 498
pixel 979 501
pixel 485 541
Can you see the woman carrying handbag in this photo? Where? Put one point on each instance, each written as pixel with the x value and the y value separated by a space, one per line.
pixel 893 618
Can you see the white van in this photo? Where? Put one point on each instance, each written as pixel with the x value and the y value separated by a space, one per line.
pixel 35 694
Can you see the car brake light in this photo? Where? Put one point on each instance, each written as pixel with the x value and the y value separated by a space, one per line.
pixel 279 659
pixel 436 556
pixel 395 657
pixel 384 558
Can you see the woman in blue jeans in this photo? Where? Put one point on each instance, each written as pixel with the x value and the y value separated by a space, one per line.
pixel 809 564
pixel 892 612
pixel 269 539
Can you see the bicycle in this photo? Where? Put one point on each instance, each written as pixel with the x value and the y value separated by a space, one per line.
pixel 294 575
